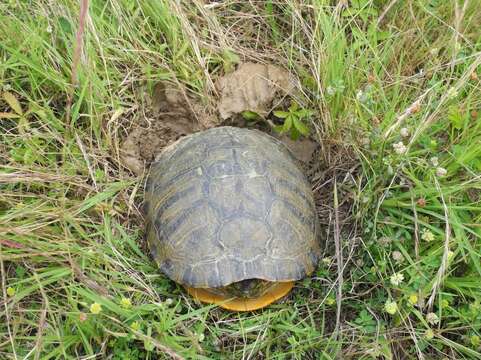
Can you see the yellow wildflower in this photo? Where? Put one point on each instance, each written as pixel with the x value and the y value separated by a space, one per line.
pixel 10 291
pixel 126 303
pixel 135 326
pixel 429 334
pixel 95 308
pixel 390 307
pixel 413 299
pixel 475 340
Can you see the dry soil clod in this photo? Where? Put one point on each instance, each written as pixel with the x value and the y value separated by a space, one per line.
pixel 174 113
pixel 252 87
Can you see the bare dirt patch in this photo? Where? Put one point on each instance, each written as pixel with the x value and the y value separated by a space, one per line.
pixel 175 112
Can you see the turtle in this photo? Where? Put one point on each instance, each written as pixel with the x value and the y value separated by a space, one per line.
pixel 231 217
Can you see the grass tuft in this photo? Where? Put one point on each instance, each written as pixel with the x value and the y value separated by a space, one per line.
pixel 396 96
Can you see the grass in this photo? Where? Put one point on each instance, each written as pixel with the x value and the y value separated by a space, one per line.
pixel 71 229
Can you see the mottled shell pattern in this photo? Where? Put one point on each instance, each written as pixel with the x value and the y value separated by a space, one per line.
pixel 230 204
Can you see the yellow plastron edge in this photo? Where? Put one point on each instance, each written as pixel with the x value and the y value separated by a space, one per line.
pixel 242 304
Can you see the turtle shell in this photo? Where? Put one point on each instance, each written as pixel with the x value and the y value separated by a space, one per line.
pixel 230 204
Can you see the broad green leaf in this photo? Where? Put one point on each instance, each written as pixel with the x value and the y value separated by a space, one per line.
pixel 456 117
pixel 65 25
pixel 295 134
pixel 305 113
pixel 250 115
pixel 287 124
pixel 281 114
pixel 299 125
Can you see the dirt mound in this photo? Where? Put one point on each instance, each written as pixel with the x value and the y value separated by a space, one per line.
pixel 252 87
pixel 175 113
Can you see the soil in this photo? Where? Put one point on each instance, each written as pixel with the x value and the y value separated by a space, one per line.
pixel 175 112
pixel 252 87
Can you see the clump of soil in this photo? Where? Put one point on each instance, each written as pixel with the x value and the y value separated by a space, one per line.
pixel 175 113
pixel 252 87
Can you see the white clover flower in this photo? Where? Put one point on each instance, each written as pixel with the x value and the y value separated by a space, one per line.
pixel 427 235
pixel 404 132
pixel 434 51
pixel 397 279
pixel 440 172
pixel 360 96
pixel 327 260
pixel 169 301
pixel 399 148
pixel 432 318
pixel 330 90
pixel 397 256
pixel 434 161
pixel 49 29
pixel 452 93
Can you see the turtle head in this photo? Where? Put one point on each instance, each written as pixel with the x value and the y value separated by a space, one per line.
pixel 249 288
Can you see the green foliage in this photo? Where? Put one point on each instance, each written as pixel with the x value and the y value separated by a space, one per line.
pixel 70 234
pixel 294 121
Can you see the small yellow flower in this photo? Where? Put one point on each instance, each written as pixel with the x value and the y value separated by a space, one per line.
pixel 390 307
pixel 450 255
pixel 397 279
pixel 95 308
pixel 10 291
pixel 427 235
pixel 413 299
pixel 330 301
pixel 475 340
pixel 444 303
pixel 429 334
pixel 126 303
pixel 135 326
